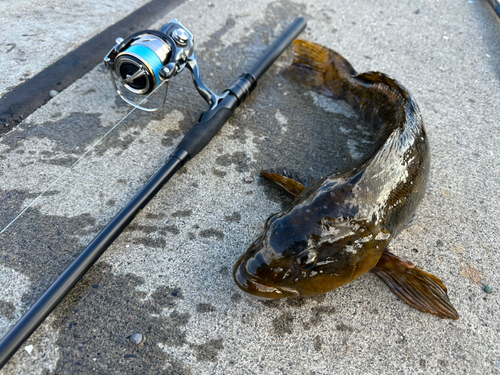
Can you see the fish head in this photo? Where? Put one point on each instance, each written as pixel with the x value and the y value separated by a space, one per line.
pixel 280 263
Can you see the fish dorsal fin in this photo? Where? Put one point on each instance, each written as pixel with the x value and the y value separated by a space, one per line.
pixel 417 288
pixel 316 68
pixel 288 180
pixel 379 99
pixel 389 86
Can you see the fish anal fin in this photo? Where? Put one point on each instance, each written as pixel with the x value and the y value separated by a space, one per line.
pixel 288 180
pixel 417 288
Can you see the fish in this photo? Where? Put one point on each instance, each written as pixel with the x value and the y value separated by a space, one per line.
pixel 340 226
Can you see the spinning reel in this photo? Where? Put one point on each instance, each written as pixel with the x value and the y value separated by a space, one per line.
pixel 147 58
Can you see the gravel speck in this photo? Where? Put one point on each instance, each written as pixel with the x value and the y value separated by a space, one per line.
pixel 135 339
pixel 488 289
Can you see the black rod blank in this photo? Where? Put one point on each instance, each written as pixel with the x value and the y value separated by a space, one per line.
pixel 278 47
pixel 193 142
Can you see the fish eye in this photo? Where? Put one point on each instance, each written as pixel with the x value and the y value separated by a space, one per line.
pixel 307 259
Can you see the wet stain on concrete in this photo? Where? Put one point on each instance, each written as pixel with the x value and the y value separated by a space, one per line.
pixel 235 217
pixel 236 297
pixel 185 213
pixel 208 351
pixel 95 323
pixel 317 343
pixel 344 328
pixel 230 23
pixel 296 302
pixel 37 245
pixel 75 131
pixel 149 230
pixel 7 309
pixel 218 172
pixel 317 314
pixel 165 296
pixel 153 216
pixel 205 308
pixel 157 243
pixel 276 304
pixel 170 136
pixel 173 335
pixel 209 233
pixel 292 302
pixel 239 159
pixel 283 324
pixel 172 229
pixel 443 362
pixel 63 162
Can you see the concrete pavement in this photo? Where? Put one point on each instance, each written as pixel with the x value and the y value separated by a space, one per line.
pixel 168 276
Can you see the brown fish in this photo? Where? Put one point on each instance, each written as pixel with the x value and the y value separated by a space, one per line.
pixel 339 227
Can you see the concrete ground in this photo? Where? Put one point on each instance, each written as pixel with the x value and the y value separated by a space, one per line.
pixel 169 275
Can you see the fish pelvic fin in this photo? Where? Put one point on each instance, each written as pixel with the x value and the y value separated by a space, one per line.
pixel 290 181
pixel 417 288
pixel 320 69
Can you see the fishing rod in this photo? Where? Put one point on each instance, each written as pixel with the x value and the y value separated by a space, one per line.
pixel 495 4
pixel 141 64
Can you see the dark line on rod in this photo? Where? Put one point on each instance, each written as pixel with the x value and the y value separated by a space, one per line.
pixel 32 94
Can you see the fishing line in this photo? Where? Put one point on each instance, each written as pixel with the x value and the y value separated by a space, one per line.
pixel 79 159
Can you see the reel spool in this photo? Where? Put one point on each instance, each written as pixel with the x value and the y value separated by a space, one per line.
pixel 147 58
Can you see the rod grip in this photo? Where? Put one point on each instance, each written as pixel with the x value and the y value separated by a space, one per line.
pixel 210 123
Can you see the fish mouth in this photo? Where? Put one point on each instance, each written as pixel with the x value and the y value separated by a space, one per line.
pixel 250 285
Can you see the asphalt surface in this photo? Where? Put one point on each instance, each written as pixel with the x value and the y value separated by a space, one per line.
pixel 168 276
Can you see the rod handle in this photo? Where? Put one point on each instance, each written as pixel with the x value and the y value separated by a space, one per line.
pixel 209 125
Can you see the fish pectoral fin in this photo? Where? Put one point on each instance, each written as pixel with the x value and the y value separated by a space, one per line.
pixel 417 288
pixel 288 180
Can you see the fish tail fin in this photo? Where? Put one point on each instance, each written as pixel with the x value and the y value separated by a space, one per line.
pixel 320 69
pixel 417 288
